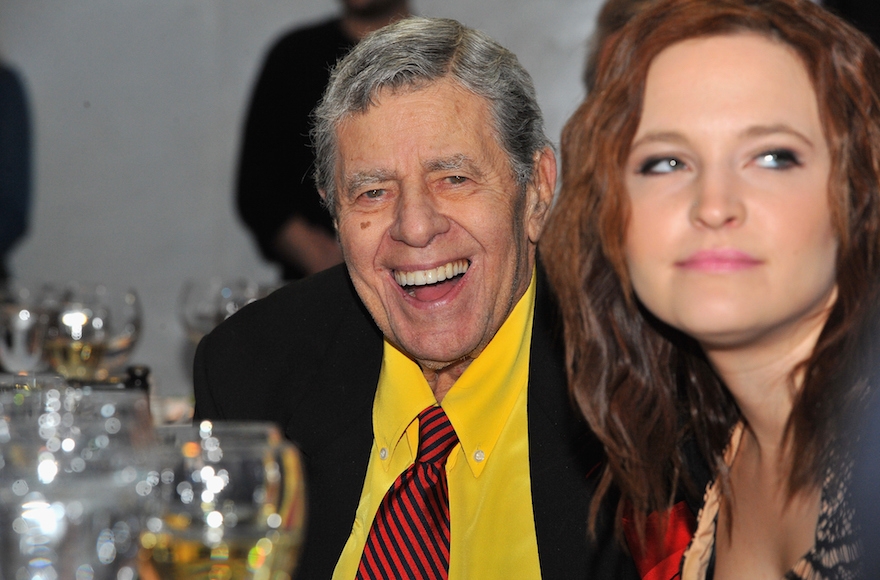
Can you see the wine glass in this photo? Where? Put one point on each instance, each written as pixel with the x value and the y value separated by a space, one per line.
pixel 78 332
pixel 92 330
pixel 76 466
pixel 23 323
pixel 206 303
pixel 230 504
pixel 126 313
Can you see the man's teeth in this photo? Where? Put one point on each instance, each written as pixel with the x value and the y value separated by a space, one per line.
pixel 432 276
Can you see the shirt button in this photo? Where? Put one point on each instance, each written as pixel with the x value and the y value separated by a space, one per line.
pixel 479 455
pixel 383 453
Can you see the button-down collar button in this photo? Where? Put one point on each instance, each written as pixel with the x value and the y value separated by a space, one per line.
pixel 479 455
pixel 383 453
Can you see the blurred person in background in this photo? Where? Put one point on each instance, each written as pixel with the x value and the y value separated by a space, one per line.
pixel 863 14
pixel 276 195
pixel 15 165
pixel 716 255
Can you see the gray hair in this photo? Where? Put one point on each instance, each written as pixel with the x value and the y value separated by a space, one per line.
pixel 412 53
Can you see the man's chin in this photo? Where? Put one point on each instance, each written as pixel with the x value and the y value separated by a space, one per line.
pixel 437 366
pixel 436 357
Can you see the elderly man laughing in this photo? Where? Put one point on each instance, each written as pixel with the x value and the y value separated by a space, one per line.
pixel 423 380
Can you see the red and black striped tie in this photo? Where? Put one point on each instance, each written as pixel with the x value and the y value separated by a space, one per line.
pixel 410 535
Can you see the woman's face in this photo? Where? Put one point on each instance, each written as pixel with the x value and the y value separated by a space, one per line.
pixel 730 237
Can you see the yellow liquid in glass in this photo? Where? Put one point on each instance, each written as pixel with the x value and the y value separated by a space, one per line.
pixel 165 556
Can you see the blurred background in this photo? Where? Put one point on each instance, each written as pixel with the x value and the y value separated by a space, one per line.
pixel 137 110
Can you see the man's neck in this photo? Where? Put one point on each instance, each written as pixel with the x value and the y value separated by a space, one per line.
pixel 441 380
pixel 357 27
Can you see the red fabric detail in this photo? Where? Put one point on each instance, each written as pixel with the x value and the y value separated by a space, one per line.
pixel 660 557
pixel 409 537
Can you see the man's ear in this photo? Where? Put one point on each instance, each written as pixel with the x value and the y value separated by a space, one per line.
pixel 540 193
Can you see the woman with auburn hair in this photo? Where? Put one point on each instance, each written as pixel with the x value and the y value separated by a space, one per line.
pixel 715 249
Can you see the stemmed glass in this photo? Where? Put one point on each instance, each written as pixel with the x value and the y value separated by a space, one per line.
pixel 230 504
pixel 206 303
pixel 125 309
pixel 92 330
pixel 23 323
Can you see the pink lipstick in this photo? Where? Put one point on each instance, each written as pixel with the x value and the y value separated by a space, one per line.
pixel 719 260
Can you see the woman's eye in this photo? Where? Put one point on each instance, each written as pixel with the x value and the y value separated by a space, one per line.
pixel 778 159
pixel 656 165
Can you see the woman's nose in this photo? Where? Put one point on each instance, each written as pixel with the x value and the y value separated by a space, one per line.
pixel 718 200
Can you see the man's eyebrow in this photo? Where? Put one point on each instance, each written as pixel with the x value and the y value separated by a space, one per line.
pixel 459 162
pixel 358 180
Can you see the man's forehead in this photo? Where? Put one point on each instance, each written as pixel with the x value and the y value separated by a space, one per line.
pixel 417 86
pixel 379 99
pixel 434 131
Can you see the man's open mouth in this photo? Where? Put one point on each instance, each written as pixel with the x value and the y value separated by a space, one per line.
pixel 428 284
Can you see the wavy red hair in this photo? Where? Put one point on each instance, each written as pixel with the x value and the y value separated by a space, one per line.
pixel 644 387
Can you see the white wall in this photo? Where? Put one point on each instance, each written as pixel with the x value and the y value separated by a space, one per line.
pixel 137 107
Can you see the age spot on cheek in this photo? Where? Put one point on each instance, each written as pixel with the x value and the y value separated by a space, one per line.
pixel 365 225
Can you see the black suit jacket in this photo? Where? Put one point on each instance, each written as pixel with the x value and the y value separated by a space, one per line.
pixel 308 357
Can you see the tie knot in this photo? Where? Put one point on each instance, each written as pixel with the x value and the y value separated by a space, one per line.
pixel 436 436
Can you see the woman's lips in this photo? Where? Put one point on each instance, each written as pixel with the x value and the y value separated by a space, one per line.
pixel 721 260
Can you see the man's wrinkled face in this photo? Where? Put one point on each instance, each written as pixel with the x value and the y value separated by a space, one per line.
pixel 438 238
pixel 730 237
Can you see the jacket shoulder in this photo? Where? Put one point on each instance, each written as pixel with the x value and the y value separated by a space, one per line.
pixel 259 362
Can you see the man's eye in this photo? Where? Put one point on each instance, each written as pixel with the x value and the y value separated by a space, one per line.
pixel 373 193
pixel 456 179
pixel 656 165
pixel 778 159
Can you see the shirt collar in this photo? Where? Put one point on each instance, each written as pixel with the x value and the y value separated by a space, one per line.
pixel 478 404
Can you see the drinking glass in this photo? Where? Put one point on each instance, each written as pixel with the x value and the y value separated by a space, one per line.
pixel 206 303
pixel 29 381
pixel 84 528
pixel 76 429
pixel 76 467
pixel 92 330
pixel 23 324
pixel 125 310
pixel 230 504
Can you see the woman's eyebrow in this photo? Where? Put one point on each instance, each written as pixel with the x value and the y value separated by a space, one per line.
pixel 661 137
pixel 762 130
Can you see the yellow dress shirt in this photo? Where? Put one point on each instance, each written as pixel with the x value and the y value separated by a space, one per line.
pixel 490 501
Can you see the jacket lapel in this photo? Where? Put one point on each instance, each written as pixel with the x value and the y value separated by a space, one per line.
pixel 337 443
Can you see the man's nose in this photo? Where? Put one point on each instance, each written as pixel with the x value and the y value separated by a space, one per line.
pixel 417 220
pixel 718 200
